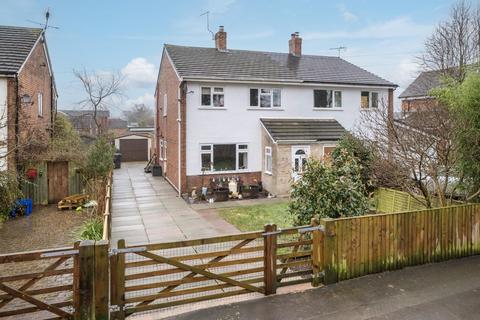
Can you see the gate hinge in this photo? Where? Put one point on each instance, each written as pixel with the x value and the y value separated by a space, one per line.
pixel 115 251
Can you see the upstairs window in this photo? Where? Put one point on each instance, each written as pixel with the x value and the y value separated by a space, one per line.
pixel 369 100
pixel 212 97
pixel 40 104
pixel 327 99
pixel 266 98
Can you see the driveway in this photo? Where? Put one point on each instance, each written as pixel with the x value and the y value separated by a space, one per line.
pixel 146 209
pixel 443 291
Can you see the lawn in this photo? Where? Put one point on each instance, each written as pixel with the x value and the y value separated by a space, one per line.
pixel 253 218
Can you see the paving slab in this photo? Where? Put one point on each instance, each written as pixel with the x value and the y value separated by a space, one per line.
pixel 146 209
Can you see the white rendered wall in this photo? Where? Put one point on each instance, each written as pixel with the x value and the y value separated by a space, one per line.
pixel 3 122
pixel 236 122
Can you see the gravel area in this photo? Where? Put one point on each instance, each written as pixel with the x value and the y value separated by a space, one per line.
pixel 45 228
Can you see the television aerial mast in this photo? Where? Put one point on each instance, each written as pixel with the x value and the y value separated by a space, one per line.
pixel 339 49
pixel 45 25
pixel 207 13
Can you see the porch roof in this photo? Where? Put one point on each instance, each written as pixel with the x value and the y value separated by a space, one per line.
pixel 285 129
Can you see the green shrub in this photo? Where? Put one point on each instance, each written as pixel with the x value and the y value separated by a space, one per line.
pixel 9 193
pixel 329 190
pixel 100 159
pixel 91 229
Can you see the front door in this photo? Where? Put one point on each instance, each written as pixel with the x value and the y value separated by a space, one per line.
pixel 300 155
pixel 57 173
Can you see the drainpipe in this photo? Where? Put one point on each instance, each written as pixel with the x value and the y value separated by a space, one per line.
pixel 179 140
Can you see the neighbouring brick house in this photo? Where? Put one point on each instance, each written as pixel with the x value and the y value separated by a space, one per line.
pixel 223 113
pixel 417 94
pixel 84 121
pixel 27 92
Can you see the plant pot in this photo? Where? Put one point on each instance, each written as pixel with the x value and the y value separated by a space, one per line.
pixel 221 194
pixel 156 171
pixel 204 191
pixel 250 192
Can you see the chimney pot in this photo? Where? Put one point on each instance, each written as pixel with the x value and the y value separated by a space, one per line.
pixel 221 39
pixel 295 45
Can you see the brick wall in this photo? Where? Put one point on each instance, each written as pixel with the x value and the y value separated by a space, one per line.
pixel 34 78
pixel 196 181
pixel 418 104
pixel 169 84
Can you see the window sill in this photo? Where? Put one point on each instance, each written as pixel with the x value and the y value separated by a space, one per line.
pixel 212 108
pixel 368 109
pixel 226 172
pixel 328 109
pixel 268 173
pixel 265 109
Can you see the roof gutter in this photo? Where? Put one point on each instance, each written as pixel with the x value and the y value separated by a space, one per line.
pixel 280 81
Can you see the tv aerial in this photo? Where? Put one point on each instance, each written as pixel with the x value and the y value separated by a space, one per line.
pixel 339 49
pixel 45 25
pixel 207 13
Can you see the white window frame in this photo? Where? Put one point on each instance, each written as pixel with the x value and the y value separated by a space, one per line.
pixel 258 106
pixel 212 93
pixel 165 104
pixel 294 151
pixel 370 100
pixel 237 158
pixel 40 104
pixel 165 150
pixel 334 100
pixel 268 158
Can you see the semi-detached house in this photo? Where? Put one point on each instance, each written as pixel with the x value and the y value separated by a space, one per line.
pixel 224 113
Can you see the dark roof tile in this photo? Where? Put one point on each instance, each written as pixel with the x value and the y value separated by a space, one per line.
pixel 284 129
pixel 248 65
pixel 15 45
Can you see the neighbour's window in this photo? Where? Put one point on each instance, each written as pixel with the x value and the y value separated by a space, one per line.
pixel 369 100
pixel 213 97
pixel 40 104
pixel 165 105
pixel 327 99
pixel 161 149
pixel 268 160
pixel 266 98
pixel 165 150
pixel 299 161
pixel 224 157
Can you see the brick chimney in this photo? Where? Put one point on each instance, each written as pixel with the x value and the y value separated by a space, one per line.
pixel 295 45
pixel 221 39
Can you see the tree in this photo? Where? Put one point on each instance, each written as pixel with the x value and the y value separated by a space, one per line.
pixel 455 42
pixel 364 156
pixel 140 114
pixel 329 189
pixel 414 152
pixel 9 193
pixel 100 159
pixel 99 88
pixel 463 101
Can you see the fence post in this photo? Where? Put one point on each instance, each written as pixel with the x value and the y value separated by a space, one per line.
pixel 317 253
pixel 101 280
pixel 76 278
pixel 117 282
pixel 330 254
pixel 270 259
pixel 86 280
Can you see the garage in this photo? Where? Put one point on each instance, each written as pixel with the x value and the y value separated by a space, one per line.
pixel 134 147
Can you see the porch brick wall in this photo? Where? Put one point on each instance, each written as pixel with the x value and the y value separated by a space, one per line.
pixel 196 181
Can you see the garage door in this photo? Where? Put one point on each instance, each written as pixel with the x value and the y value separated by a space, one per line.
pixel 134 149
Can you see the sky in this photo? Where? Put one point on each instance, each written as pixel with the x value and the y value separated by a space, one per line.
pixel 127 36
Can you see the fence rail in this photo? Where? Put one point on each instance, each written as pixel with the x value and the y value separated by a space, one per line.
pixel 39 284
pixel 107 217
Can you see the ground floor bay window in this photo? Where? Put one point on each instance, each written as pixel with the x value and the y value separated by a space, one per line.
pixel 224 157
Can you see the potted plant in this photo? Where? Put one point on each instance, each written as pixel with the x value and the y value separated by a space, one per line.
pixel 220 192
pixel 249 191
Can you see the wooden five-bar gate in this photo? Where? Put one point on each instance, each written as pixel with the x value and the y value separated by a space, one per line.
pixel 93 280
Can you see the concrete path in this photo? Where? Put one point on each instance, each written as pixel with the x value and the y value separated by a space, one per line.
pixel 146 209
pixel 442 291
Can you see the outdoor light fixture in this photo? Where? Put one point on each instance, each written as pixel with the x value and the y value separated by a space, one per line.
pixel 26 99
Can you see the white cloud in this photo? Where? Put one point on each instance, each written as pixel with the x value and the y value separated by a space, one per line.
pixel 147 99
pixel 346 15
pixel 139 72
pixel 397 28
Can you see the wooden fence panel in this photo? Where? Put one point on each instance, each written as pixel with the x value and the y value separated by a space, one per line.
pixel 357 246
